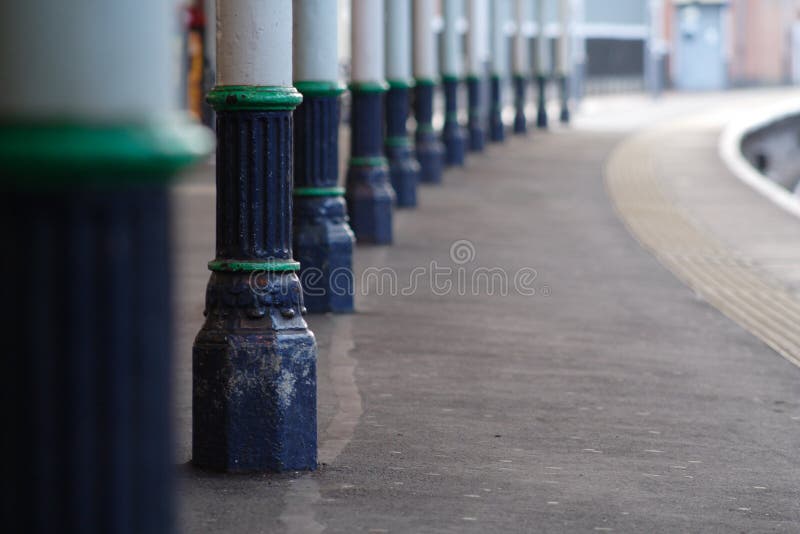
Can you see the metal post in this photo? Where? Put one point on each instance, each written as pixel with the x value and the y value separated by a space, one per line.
pixel 254 360
pixel 323 241
pixel 85 161
pixel 542 64
pixel 369 193
pixel 453 134
pixel 521 64
pixel 656 48
pixel 403 164
pixel 430 150
pixel 564 63
pixel 477 16
pixel 499 70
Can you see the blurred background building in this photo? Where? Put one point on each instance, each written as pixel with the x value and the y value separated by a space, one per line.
pixel 618 45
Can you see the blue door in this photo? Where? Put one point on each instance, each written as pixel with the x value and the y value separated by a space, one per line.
pixel 700 42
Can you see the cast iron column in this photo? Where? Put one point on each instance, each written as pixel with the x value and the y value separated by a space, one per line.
pixel 542 65
pixel 403 164
pixel 254 361
pixel 521 65
pixel 453 134
pixel 84 219
pixel 430 150
pixel 477 16
pixel 564 59
pixel 499 64
pixel 323 241
pixel 369 193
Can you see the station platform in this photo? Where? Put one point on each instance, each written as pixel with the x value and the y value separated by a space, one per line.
pixel 637 373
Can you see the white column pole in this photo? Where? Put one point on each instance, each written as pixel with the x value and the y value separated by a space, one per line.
pixel 499 63
pixel 477 16
pixel 367 41
pixel 57 61
pixel 520 53
pixel 316 41
pixel 398 40
pixel 248 32
pixel 424 50
pixel 452 65
pixel 564 15
pixel 542 44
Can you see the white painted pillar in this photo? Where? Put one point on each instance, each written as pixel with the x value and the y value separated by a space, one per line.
pixel 367 41
pixel 424 49
pixel 564 37
pixel 521 58
pixel 478 20
pixel 316 41
pixel 249 32
pixel 499 44
pixel 452 65
pixel 542 42
pixel 398 41
pixel 58 62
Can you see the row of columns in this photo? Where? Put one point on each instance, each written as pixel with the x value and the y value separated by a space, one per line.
pixel 86 159
pixel 254 360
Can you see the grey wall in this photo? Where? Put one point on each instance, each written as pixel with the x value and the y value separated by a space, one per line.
pixel 616 11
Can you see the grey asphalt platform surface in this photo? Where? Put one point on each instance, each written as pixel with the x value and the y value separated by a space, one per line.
pixel 611 399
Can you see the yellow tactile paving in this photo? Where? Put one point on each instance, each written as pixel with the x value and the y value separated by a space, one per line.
pixel 721 275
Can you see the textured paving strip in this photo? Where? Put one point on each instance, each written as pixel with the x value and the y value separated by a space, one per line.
pixel 720 274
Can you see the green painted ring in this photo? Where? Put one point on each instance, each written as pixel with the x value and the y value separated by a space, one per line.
pixel 451 78
pixel 369 87
pixel 253 98
pixel 62 153
pixel 318 191
pixel 253 266
pixel 400 84
pixel 399 141
pixel 425 127
pixel 318 88
pixel 425 81
pixel 368 161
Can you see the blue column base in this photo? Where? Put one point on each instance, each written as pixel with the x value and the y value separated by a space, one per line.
pixel 541 112
pixel 564 117
pixel 87 368
pixel 405 173
pixel 369 193
pixel 477 137
pixel 496 128
pixel 520 122
pixel 254 377
pixel 454 135
pixel 430 150
pixel 254 360
pixel 403 165
pixel 430 154
pixel 369 202
pixel 323 242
